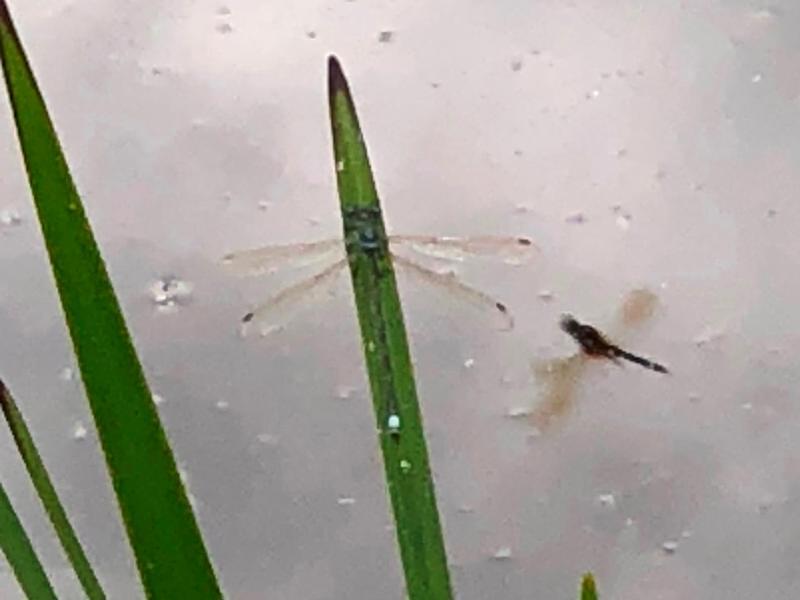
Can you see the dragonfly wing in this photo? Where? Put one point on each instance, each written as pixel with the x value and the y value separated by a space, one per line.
pixel 513 250
pixel 559 379
pixel 276 311
pixel 271 258
pixel 449 283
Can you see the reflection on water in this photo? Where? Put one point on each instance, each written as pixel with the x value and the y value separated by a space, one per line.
pixel 559 379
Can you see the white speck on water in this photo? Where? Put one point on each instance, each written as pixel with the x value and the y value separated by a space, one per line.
pixel 593 94
pixel 9 217
pixel 623 217
pixel 518 412
pixel 268 439
pixel 756 78
pixel 607 500
pixel 545 295
pixel 747 406
pixel 158 399
pixel 222 405
pixel 687 533
pixel 345 501
pixel 386 36
pixel 170 292
pixel 344 392
pixel 576 218
pixel 264 205
pixel 79 431
pixel 224 28
pixel 670 546
pixel 469 363
pixel 66 374
pixel 405 466
pixel 502 553
pixel 707 335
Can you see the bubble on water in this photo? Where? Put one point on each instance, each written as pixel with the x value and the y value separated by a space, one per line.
pixel 79 431
pixel 622 217
pixel 607 500
pixel 345 501
pixel 66 374
pixel 595 93
pixel 385 36
pixel 268 439
pixel 502 553
pixel 170 292
pixel 9 217
pixel 747 406
pixel 222 405
pixel 757 77
pixel 344 392
pixel 670 546
pixel 469 363
pixel 518 412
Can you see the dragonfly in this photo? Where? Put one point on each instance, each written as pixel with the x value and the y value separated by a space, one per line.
pixel 329 254
pixel 560 378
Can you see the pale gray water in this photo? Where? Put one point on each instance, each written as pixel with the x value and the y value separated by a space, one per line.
pixel 482 118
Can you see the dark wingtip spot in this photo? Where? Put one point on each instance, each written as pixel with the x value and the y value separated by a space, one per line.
pixel 501 307
pixel 524 241
pixel 248 317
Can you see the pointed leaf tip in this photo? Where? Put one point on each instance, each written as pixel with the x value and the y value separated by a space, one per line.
pixel 5 17
pixel 336 80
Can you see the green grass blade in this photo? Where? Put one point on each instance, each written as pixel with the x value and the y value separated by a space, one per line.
pixel 47 493
pixel 588 589
pixel 19 553
pixel 164 535
pixel 387 356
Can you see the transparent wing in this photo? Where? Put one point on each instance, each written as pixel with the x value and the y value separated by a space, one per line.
pixel 513 250
pixel 272 258
pixel 450 284
pixel 559 380
pixel 276 311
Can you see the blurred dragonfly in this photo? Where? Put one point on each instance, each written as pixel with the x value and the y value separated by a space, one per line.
pixel 561 377
pixel 271 314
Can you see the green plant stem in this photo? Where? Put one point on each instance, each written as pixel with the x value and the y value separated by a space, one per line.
pixel 166 542
pixel 47 493
pixel 387 356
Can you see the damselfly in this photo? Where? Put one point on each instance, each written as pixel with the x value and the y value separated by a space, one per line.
pixel 271 314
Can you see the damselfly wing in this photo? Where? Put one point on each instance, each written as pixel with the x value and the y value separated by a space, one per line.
pixel 277 310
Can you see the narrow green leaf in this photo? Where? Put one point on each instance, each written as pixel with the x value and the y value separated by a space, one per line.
pixel 164 535
pixel 387 356
pixel 588 589
pixel 47 493
pixel 19 553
